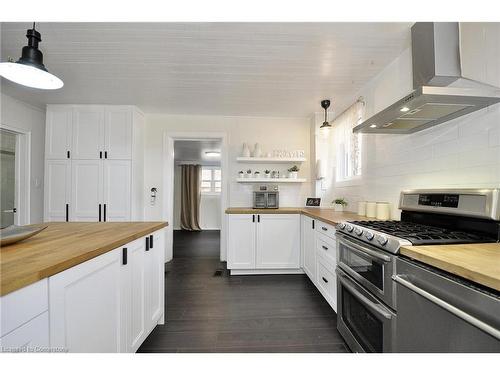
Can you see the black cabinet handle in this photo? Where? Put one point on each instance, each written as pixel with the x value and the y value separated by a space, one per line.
pixel 147 243
pixel 99 212
pixel 325 280
pixel 104 211
pixel 253 218
pixel 324 228
pixel 258 218
pixel 150 241
pixel 324 247
pixel 105 154
pixel 67 212
pixel 100 154
pixel 313 223
pixel 124 256
pixel 67 154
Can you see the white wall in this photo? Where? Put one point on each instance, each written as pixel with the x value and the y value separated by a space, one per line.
pixel 271 133
pixel 20 115
pixel 464 152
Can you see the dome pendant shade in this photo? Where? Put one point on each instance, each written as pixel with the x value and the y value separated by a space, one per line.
pixel 326 125
pixel 29 69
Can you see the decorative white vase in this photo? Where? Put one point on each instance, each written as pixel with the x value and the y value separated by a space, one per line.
pixel 246 151
pixel 338 208
pixel 257 151
pixel 241 175
pixel 293 175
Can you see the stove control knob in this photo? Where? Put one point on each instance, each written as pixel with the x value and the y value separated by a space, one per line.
pixel 382 240
pixel 369 236
pixel 358 231
pixel 349 228
pixel 341 225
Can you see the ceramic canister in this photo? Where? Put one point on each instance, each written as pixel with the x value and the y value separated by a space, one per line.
pixel 371 209
pixel 383 212
pixel 362 208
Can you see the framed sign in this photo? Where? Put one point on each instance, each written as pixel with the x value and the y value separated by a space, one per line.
pixel 313 202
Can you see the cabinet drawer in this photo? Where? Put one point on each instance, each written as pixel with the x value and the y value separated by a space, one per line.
pixel 326 229
pixel 22 305
pixel 326 282
pixel 34 333
pixel 326 247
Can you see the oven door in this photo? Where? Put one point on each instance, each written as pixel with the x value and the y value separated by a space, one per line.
pixel 365 323
pixel 370 267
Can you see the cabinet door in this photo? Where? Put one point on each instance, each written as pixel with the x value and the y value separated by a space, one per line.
pixel 87 313
pixel 88 133
pixel 155 279
pixel 308 247
pixel 86 190
pixel 135 294
pixel 57 190
pixel 118 133
pixel 33 334
pixel 278 241
pixel 241 241
pixel 116 190
pixel 58 132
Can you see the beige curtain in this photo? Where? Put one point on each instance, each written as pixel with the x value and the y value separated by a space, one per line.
pixel 190 197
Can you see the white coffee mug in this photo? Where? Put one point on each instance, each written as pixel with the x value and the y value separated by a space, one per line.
pixel 371 209
pixel 383 212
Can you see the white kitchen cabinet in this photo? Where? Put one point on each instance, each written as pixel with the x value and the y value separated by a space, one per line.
pixel 326 281
pixel 32 336
pixel 87 308
pixel 308 247
pixel 134 278
pixel 155 281
pixel 116 190
pixel 118 132
pixel 241 241
pixel 58 132
pixel 86 190
pixel 278 241
pixel 88 132
pixel 57 190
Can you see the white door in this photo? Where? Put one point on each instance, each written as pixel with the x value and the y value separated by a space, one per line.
pixel 135 294
pixel 58 132
pixel 241 241
pixel 118 133
pixel 155 287
pixel 87 313
pixel 88 133
pixel 86 190
pixel 278 241
pixel 57 190
pixel 308 247
pixel 117 182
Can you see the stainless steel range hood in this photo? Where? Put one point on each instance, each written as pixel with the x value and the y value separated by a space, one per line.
pixel 436 64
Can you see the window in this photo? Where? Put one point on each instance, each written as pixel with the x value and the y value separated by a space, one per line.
pixel 211 182
pixel 348 144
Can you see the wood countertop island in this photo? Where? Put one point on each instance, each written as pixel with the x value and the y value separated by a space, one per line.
pixel 62 246
pixel 479 263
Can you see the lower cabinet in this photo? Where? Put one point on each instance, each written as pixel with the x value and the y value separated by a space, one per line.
pixel 263 242
pixel 308 247
pixel 326 281
pixel 32 336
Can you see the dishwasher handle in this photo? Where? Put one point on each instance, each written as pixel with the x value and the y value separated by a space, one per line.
pixel 479 324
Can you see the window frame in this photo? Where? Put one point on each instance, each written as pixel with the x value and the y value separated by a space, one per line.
pixel 212 180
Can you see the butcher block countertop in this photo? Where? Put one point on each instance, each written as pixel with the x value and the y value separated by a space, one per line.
pixel 476 262
pixel 328 215
pixel 62 246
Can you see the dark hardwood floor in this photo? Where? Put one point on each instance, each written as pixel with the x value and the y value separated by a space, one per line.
pixel 265 313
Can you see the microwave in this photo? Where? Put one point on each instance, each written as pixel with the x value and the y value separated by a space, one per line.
pixel 266 197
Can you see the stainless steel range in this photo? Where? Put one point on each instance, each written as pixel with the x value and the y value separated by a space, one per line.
pixel 367 251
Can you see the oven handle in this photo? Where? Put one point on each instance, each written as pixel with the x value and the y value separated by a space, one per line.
pixel 343 239
pixel 402 280
pixel 349 285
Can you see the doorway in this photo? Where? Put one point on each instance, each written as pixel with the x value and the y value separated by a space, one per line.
pixel 195 195
pixel 15 177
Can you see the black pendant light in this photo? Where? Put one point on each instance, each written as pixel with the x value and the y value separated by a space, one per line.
pixel 29 69
pixel 326 125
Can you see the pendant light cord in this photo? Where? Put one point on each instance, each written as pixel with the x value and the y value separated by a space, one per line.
pixel 33 25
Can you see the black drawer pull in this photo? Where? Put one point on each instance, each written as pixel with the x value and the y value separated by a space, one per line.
pixel 147 243
pixel 100 213
pixel 253 218
pixel 324 247
pixel 100 154
pixel 105 154
pixel 67 212
pixel 324 228
pixel 150 241
pixel 124 256
pixel 325 280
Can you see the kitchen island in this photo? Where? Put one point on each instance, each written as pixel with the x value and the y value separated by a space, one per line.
pixel 83 287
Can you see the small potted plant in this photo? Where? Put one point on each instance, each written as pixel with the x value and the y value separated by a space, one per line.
pixel 339 204
pixel 267 173
pixel 256 174
pixel 241 174
pixel 249 173
pixel 293 172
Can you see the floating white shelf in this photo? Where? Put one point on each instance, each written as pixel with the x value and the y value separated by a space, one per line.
pixel 270 160
pixel 276 180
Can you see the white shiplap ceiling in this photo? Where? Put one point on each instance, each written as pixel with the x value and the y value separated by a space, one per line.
pixel 255 69
pixel 195 151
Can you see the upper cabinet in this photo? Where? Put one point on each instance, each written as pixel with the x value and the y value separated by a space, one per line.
pixel 118 133
pixel 58 132
pixel 88 133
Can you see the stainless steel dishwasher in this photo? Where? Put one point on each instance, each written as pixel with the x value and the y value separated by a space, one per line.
pixel 441 313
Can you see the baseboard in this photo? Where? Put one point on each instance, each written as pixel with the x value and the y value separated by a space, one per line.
pixel 271 271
